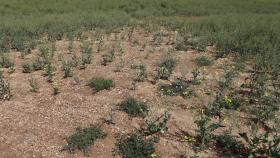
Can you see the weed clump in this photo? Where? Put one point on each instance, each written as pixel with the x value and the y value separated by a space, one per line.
pixel 99 84
pixel 134 107
pixel 5 90
pixel 166 68
pixel 176 88
pixel 135 146
pixel 202 61
pixel 26 68
pixel 83 138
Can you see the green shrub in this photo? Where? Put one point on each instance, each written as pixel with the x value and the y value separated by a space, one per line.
pixel 160 124
pixel 134 107
pixel 6 62
pixel 82 139
pixel 202 61
pixel 33 84
pixel 135 146
pixel 166 68
pixel 26 68
pixel 108 58
pixel 99 84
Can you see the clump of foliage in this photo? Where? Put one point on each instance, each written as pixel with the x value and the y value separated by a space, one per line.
pixel 99 84
pixel 26 68
pixel 6 62
pixel 176 88
pixel 33 84
pixel 205 129
pixel 82 139
pixel 108 58
pixel 155 126
pixel 67 69
pixel 202 61
pixel 166 68
pixel 141 73
pixel 135 145
pixel 49 72
pixel 56 89
pixel 38 64
pixel 5 89
pixel 134 107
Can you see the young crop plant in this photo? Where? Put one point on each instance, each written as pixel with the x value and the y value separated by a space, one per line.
pixel 160 124
pixel 205 129
pixel 34 84
pixel 98 84
pixel 108 58
pixel 135 146
pixel 82 139
pixel 26 68
pixel 5 89
pixel 140 73
pixel 67 69
pixel 262 144
pixel 166 68
pixel 56 89
pixel 133 107
pixel 49 72
pixel 196 74
pixel 203 61
pixel 176 88
pixel 38 64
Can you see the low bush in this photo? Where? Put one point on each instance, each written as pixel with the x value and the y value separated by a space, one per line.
pixel 134 107
pixel 82 139
pixel 135 146
pixel 99 84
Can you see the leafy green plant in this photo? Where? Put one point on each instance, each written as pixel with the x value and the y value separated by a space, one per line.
pixel 135 146
pixel 134 107
pixel 82 139
pixel 262 145
pixel 141 73
pixel 166 68
pixel 205 129
pixel 108 58
pixel 33 84
pixel 38 64
pixel 6 62
pixel 26 68
pixel 176 88
pixel 49 72
pixel 67 69
pixel 99 84
pixel 160 124
pixel 203 61
pixel 5 89
pixel 56 89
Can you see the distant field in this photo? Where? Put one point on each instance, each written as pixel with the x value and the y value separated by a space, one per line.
pixel 243 26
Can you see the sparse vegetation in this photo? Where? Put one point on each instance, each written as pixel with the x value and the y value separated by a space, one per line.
pixel 225 53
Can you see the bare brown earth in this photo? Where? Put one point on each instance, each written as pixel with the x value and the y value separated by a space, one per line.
pixel 36 124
